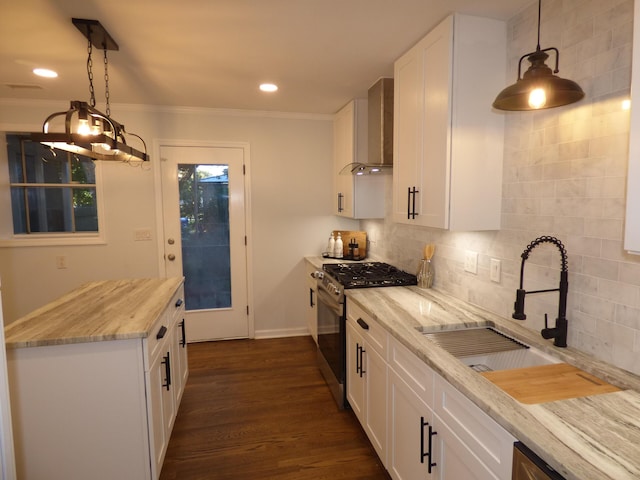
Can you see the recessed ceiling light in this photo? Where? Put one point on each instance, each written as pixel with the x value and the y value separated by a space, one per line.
pixel 268 87
pixel 45 72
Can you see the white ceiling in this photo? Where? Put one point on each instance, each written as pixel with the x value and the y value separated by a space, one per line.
pixel 214 53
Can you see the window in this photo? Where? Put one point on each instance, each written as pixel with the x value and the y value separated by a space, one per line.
pixel 52 191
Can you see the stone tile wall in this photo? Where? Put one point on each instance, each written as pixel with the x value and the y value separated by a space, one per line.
pixel 565 176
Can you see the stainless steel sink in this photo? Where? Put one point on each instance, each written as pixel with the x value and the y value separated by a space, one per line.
pixel 485 349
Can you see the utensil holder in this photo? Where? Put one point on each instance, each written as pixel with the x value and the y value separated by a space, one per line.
pixel 425 274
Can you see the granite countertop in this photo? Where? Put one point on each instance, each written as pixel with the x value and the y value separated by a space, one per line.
pixel 95 312
pixel 588 438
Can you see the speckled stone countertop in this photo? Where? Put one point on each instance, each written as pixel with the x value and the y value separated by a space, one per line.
pixel 95 312
pixel 588 438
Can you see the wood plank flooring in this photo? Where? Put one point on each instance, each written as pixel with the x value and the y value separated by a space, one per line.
pixel 260 409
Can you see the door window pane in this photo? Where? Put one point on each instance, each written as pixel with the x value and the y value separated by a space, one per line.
pixel 204 220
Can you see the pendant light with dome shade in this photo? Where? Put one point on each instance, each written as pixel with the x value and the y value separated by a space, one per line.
pixel 87 131
pixel 539 87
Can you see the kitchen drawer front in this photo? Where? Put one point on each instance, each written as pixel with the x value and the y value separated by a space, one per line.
pixel 176 306
pixel 159 333
pixel 418 376
pixel 373 334
pixel 491 443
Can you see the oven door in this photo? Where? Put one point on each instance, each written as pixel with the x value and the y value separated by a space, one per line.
pixel 331 342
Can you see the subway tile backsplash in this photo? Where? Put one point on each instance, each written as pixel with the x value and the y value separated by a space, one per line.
pixel 565 176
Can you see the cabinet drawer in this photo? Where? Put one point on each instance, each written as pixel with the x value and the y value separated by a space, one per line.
pixel 417 375
pixel 176 306
pixel 159 334
pixel 372 333
pixel 491 443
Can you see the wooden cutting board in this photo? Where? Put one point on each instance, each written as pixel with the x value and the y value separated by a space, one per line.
pixel 548 383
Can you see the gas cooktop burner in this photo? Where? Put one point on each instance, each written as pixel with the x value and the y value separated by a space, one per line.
pixel 369 274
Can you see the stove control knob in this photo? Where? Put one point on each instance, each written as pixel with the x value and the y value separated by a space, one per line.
pixel 337 292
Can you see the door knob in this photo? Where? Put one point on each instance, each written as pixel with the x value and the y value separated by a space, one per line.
pixel 171 257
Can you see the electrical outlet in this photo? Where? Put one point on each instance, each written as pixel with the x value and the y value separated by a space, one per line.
pixel 142 235
pixel 471 262
pixel 495 270
pixel 61 261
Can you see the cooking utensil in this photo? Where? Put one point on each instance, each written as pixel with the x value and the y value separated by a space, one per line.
pixel 426 272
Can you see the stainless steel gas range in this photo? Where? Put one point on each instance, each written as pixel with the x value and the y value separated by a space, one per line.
pixel 333 280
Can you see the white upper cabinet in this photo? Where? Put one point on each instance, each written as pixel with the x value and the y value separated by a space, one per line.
pixel 354 196
pixel 632 223
pixel 448 141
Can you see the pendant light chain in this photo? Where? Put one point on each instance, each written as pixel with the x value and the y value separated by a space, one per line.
pixel 92 93
pixel 539 18
pixel 106 82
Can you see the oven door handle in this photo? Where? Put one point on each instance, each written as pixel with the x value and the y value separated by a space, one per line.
pixel 332 301
pixel 363 324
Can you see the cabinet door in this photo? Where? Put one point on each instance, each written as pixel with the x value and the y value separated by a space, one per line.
pixel 355 374
pixel 410 425
pixel 311 301
pixel 436 57
pixel 422 130
pixel 455 461
pixel 406 127
pixel 159 432
pixel 448 143
pixel 344 153
pixel 490 443
pixel 375 374
pixel 181 368
pixel 632 219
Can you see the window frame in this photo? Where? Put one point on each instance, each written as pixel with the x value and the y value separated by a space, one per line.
pixel 10 239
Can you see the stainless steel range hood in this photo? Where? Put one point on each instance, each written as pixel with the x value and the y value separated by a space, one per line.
pixel 380 132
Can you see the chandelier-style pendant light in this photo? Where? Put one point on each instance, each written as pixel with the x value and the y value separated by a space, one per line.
pixel 538 88
pixel 87 131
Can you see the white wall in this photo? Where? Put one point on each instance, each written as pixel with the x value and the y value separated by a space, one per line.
pixel 290 202
pixel 565 176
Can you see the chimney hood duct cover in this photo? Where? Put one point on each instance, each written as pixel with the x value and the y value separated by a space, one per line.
pixel 380 132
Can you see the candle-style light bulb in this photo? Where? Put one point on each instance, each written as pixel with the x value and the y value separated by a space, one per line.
pixel 537 98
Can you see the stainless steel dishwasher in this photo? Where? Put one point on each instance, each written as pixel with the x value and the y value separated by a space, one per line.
pixel 528 466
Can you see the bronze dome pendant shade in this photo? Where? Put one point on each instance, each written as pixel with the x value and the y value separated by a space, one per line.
pixel 538 88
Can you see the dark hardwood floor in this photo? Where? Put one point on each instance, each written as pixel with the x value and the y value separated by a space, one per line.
pixel 260 409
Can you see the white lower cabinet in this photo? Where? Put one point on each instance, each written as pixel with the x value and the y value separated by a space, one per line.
pixel 367 374
pixel 410 398
pixel 410 419
pixel 312 308
pixel 492 445
pixel 432 430
pixel 179 349
pixel 98 410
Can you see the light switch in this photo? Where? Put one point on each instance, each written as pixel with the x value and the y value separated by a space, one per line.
pixel 495 270
pixel 142 235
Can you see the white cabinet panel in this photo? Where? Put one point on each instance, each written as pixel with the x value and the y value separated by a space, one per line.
pixel 354 196
pixel 409 421
pixel 448 146
pixel 491 443
pixel 367 376
pixel 632 221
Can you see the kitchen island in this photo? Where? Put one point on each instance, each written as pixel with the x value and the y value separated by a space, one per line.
pixel 96 378
pixel 587 438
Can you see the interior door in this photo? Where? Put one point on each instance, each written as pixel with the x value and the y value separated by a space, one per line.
pixel 204 213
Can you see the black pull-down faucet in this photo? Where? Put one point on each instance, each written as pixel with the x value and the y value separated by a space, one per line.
pixel 559 332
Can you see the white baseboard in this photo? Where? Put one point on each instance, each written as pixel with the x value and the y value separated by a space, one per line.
pixel 282 332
